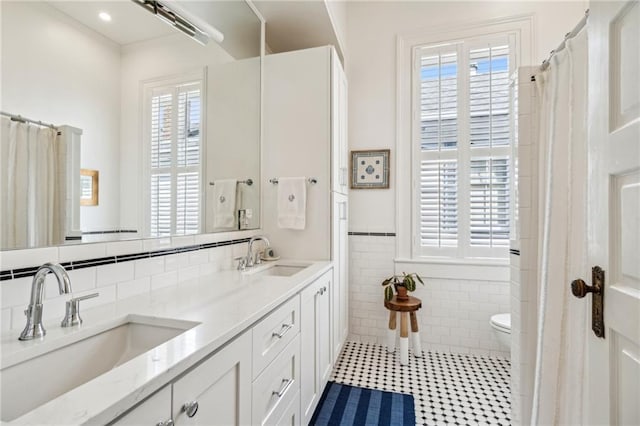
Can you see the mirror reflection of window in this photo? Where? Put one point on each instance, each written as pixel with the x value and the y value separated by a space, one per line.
pixel 174 158
pixel 85 187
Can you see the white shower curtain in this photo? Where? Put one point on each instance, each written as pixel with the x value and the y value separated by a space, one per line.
pixel 562 319
pixel 29 185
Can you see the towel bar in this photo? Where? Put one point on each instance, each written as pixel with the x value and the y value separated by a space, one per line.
pixel 248 182
pixel 311 180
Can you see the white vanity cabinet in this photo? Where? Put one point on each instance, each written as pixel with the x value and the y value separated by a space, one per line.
pixel 218 391
pixel 315 344
pixel 153 411
pixel 272 374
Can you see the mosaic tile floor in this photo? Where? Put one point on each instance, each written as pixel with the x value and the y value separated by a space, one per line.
pixel 456 389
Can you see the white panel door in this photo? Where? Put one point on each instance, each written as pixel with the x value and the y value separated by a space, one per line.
pixel 614 209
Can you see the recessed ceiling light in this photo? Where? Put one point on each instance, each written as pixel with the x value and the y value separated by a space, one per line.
pixel 104 16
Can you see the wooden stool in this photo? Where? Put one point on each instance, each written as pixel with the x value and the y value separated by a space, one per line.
pixel 405 308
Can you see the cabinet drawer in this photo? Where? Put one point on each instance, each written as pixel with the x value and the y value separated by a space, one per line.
pixel 274 332
pixel 277 386
pixel 291 416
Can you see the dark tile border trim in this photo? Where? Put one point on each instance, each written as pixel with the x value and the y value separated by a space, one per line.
pixel 514 251
pixel 374 234
pixel 9 274
pixel 111 231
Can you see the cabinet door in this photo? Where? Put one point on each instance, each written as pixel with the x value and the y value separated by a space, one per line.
pixel 315 343
pixel 152 411
pixel 339 252
pixel 339 146
pixel 323 325
pixel 220 386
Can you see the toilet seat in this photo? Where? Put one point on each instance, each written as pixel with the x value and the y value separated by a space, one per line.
pixel 501 322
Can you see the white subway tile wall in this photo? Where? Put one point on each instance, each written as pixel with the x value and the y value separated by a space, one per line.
pixel 113 282
pixel 524 267
pixel 455 313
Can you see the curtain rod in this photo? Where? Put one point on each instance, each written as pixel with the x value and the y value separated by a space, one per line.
pixel 567 36
pixel 22 119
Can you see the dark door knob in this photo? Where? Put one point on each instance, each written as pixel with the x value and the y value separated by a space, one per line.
pixel 580 289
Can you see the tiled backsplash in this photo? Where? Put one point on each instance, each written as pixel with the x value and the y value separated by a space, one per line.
pixel 116 270
pixel 455 312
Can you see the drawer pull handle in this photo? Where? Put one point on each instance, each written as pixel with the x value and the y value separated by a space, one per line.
pixel 165 423
pixel 286 384
pixel 285 329
pixel 191 408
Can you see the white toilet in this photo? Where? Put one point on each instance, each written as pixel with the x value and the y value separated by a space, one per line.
pixel 501 324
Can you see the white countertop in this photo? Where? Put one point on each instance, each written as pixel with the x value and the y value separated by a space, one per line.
pixel 225 304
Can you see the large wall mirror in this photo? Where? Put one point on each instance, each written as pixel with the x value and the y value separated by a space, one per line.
pixel 160 99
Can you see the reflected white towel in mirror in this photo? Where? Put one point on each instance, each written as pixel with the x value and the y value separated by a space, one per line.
pixel 292 202
pixel 224 196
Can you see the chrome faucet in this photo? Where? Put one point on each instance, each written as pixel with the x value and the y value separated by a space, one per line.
pixel 250 257
pixel 34 328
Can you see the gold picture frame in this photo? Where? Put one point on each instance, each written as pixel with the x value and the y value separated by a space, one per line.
pixel 89 187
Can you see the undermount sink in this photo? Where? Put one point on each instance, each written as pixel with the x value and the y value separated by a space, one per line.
pixel 278 270
pixel 35 381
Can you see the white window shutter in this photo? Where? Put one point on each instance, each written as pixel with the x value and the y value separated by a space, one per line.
pixel 175 158
pixel 438 101
pixel 489 97
pixel 489 202
pixel 464 148
pixel 439 203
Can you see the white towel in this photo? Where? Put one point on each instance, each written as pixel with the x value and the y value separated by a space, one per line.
pixel 292 202
pixel 224 198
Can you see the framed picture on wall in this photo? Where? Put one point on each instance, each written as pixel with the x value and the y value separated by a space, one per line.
pixel 370 169
pixel 89 181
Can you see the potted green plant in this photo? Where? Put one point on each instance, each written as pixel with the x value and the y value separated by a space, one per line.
pixel 402 284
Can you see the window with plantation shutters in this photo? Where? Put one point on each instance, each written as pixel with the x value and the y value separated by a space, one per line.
pixel 174 158
pixel 463 144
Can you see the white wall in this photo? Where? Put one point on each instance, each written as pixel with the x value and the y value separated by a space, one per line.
pixel 297 134
pixel 372 28
pixel 58 71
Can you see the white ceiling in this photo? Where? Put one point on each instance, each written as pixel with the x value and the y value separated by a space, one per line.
pixel 130 23
pixel 290 25
pixel 293 25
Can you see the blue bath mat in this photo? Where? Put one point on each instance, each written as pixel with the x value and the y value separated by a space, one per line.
pixel 346 405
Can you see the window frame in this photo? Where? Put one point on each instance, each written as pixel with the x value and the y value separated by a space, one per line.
pixel 464 153
pixel 148 89
pixel 519 28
